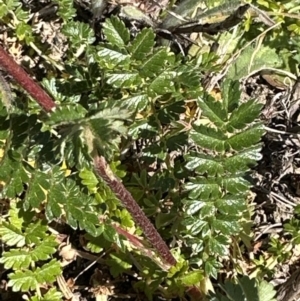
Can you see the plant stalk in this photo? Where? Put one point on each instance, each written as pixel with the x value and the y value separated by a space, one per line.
pixel 25 81
pixel 104 171
pixel 101 166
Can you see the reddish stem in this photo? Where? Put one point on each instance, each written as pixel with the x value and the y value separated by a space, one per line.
pixel 136 212
pixel 102 168
pixel 24 80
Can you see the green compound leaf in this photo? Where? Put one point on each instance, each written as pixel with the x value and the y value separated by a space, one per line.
pixel 38 185
pixel 35 232
pixel 218 244
pixel 142 44
pixel 227 147
pixel 40 247
pixel 89 180
pixel 135 102
pixel 235 184
pixel 16 259
pixel 192 278
pixel 243 115
pixel 213 110
pixel 11 235
pixel 124 79
pixel 163 83
pixel 51 295
pixel 244 160
pixel 204 163
pixel 79 33
pixel 111 56
pixel 247 138
pixel 30 280
pixel 116 32
pixel 155 63
pixel 45 249
pixel 208 138
pixel 203 188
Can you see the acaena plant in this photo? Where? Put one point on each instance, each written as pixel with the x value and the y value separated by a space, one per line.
pixel 63 164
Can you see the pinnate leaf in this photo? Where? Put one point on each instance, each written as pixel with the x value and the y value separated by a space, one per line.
pixel 208 138
pixel 203 188
pixel 155 63
pixel 51 295
pixel 124 79
pixel 30 280
pixel 48 272
pixel 247 138
pixel 110 56
pixel 89 179
pixel 243 160
pixel 213 110
pixel 16 259
pixel 142 44
pixel 44 250
pixel 35 232
pixel 243 115
pixel 204 163
pixel 11 235
pixel 192 278
pixel 116 32
pixel 163 83
pixel 135 102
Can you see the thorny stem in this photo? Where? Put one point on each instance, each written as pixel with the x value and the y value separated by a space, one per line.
pixel 24 80
pixel 101 167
